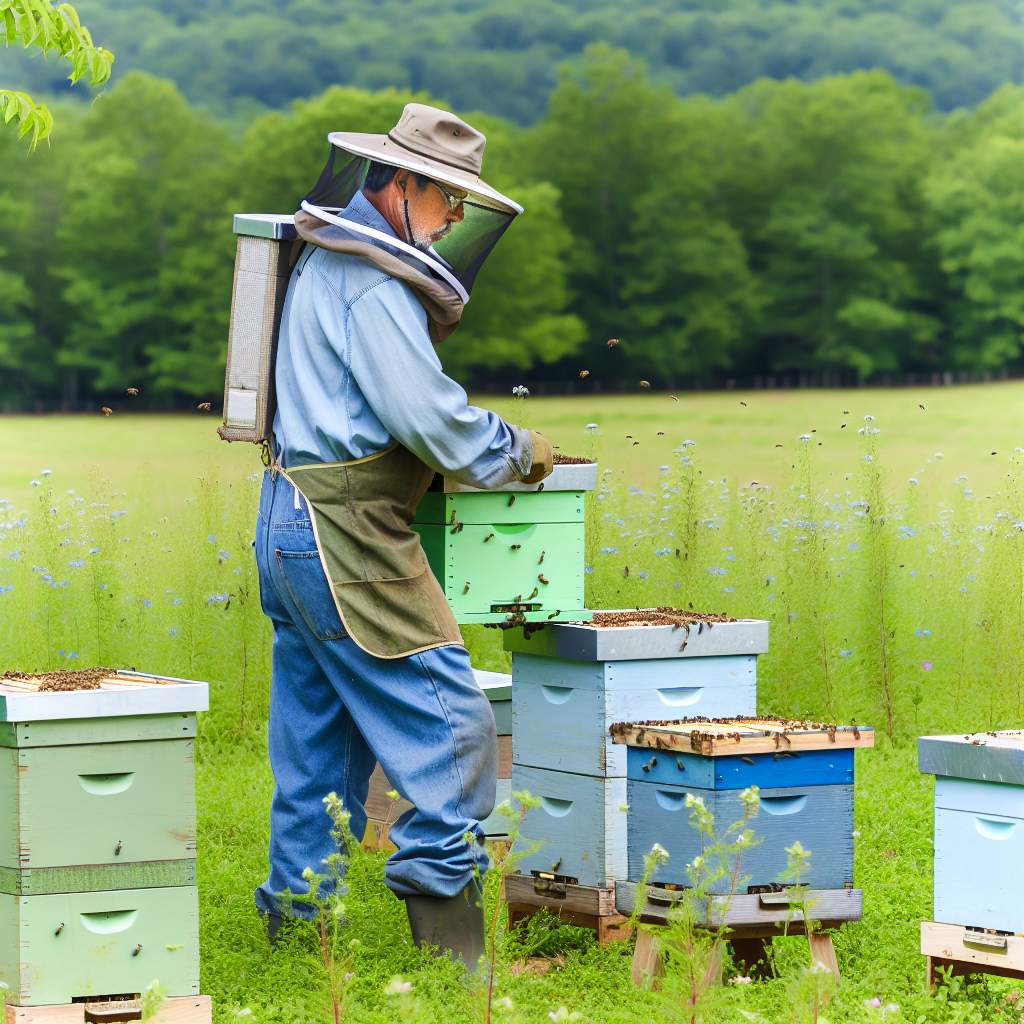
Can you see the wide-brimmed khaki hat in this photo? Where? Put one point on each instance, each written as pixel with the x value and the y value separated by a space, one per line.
pixel 433 142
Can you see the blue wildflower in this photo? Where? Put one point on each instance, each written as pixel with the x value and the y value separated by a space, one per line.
pixel 588 569
pixel 716 571
pixel 212 538
pixel 609 551
pixel 727 590
pixel 172 632
pixel 76 563
pixel 147 603
pixel 845 652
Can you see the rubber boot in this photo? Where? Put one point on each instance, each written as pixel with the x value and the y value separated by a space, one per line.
pixel 454 925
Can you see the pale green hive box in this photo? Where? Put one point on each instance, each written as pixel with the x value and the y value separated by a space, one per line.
pixel 98 840
pixel 518 551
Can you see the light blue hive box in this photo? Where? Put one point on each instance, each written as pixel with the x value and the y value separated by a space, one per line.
pixel 570 682
pixel 979 828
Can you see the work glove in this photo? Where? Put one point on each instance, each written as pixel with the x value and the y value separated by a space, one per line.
pixel 543 459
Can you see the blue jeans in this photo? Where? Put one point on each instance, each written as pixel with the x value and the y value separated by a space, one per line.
pixel 335 711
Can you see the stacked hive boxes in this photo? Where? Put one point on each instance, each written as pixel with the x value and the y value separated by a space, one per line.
pixel 979 829
pixel 97 857
pixel 570 683
pixel 804 773
pixel 517 552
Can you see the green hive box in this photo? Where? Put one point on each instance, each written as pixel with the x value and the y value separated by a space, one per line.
pixel 518 551
pixel 97 849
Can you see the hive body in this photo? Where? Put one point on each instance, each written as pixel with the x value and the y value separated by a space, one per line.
pixel 979 828
pixel 518 551
pixel 97 853
pixel 805 788
pixel 570 684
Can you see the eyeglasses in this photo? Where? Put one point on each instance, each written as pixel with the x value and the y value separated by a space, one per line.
pixel 453 198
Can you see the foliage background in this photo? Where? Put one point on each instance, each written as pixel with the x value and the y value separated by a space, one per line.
pixel 855 223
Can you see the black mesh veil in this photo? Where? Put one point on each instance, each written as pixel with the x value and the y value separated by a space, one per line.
pixel 459 255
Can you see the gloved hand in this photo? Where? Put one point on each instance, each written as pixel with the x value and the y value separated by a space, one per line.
pixel 543 459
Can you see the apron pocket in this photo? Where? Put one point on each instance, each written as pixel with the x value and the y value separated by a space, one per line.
pixel 306 585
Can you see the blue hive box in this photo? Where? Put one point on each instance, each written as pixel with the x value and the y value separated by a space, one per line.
pixel 979 828
pixel 570 682
pixel 805 775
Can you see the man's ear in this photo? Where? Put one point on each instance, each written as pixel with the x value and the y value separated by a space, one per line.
pixel 401 179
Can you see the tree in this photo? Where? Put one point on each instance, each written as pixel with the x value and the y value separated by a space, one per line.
pixel 828 190
pixel 692 301
pixel 144 244
pixel 978 201
pixel 603 146
pixel 37 23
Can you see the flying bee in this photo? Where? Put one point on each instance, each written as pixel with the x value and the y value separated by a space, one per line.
pixel 645 383
pixel 543 579
pixel 489 536
pixel 675 398
pixel 204 406
pixel 612 342
pixel 106 410
pixel 515 547
pixel 465 589
pixel 511 500
pixel 132 391
pixel 584 374
pixel 540 561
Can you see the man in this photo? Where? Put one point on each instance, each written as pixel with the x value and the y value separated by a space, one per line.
pixel 368 663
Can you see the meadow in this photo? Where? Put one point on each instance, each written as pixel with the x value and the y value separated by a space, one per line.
pixel 886 553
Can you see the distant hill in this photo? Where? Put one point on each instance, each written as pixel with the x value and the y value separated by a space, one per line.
pixel 237 56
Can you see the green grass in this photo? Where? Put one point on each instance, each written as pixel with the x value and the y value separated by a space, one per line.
pixel 891 603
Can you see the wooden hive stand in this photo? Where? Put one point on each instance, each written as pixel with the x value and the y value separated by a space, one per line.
pixel 962 951
pixel 752 920
pixel 586 906
pixel 183 1010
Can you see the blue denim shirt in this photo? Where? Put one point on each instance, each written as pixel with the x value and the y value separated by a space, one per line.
pixel 357 371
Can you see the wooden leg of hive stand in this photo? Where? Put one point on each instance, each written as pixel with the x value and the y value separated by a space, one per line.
pixel 613 927
pixel 823 951
pixel 648 962
pixel 751 956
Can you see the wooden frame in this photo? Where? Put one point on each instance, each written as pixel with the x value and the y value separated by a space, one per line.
pixel 732 736
pixel 969 951
pixel 183 1010
pixel 586 906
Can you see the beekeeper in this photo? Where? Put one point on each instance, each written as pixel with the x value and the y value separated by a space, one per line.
pixel 368 662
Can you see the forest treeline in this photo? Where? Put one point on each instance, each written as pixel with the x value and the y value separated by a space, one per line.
pixel 841 225
pixel 237 56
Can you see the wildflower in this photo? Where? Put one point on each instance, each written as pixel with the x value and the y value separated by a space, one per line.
pixel 7 589
pixel 751 797
pixel 869 458
pixel 874 1003
pixel 76 563
pixel 643 575
pixel 806 437
pixel 609 551
pixel 717 571
pixel 147 602
pixel 223 556
pixel 588 569
pixel 212 538
pixel 172 632
pixel 694 801
pixel 591 426
pixel 914 481
pixel 503 1003
pixel 35 483
pixel 869 418
pixel 663 551
pixel 397 987
pixel 658 854
pixel 740 979
pixel 520 391
pixel 563 1013
pixel 178 600
pixel 46 472
pixel 927 666
pixel 217 598
pixel 94 551
pixel 846 652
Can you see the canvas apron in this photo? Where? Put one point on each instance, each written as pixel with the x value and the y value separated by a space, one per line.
pixel 388 599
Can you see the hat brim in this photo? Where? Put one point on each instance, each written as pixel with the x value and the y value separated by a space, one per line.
pixel 387 151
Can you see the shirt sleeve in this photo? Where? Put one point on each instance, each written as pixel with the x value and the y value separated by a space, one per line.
pixel 393 361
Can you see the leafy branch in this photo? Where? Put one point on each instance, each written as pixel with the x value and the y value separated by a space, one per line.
pixel 38 23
